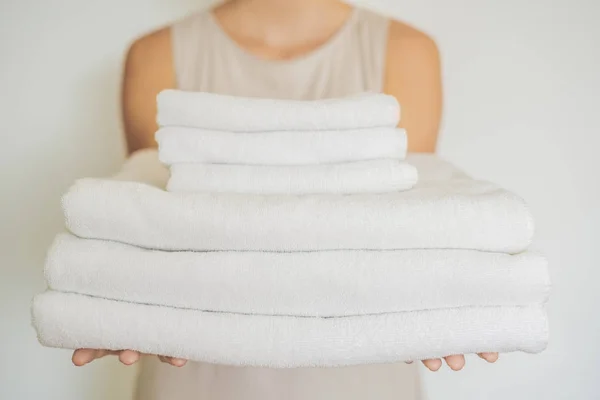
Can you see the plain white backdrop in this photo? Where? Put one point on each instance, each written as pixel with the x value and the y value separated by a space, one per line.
pixel 522 94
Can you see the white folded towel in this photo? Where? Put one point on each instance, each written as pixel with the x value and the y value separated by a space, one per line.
pixel 324 284
pixel 74 321
pixel 189 145
pixel 376 176
pixel 461 213
pixel 240 114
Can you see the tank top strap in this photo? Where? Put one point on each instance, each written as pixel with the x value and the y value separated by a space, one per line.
pixel 372 37
pixel 190 39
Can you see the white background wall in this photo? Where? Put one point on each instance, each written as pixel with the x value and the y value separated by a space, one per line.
pixel 522 99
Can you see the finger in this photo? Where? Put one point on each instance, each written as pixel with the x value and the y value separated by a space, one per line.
pixel 433 364
pixel 129 357
pixel 176 362
pixel 456 362
pixel 83 356
pixel 165 359
pixel 489 357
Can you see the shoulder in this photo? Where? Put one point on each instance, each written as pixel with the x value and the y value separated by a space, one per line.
pixel 408 44
pixel 149 60
pixel 401 37
pixel 406 48
pixel 412 60
pixel 151 47
pixel 413 76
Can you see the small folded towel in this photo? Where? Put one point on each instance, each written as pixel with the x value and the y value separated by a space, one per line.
pixel 144 166
pixel 74 321
pixel 189 145
pixel 312 284
pixel 377 176
pixel 455 214
pixel 241 114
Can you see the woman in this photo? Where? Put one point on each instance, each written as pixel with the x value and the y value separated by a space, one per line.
pixel 300 49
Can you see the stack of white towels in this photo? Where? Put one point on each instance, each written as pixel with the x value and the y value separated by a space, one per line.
pixel 291 234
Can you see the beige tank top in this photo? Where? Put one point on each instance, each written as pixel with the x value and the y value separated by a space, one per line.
pixel 352 61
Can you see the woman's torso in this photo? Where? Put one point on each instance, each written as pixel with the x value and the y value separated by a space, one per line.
pixel 352 61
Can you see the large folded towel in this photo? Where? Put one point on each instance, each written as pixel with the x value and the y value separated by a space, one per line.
pixel 240 114
pixel 376 176
pixel 75 321
pixel 189 145
pixel 460 213
pixel 325 284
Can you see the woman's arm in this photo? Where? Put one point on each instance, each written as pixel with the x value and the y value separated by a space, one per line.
pixel 148 70
pixel 413 76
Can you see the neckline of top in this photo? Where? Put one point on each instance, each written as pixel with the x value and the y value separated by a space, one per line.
pixel 336 37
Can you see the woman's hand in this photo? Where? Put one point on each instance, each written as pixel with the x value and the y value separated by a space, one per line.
pixel 456 363
pixel 128 357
